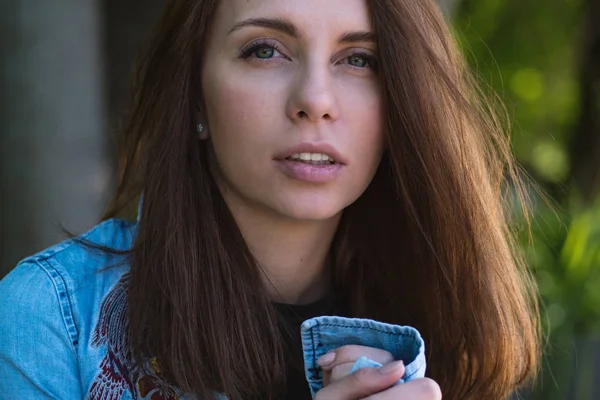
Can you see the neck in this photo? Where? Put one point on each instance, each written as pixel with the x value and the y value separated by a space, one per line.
pixel 293 255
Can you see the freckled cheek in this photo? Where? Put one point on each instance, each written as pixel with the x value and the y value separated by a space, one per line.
pixel 364 117
pixel 248 101
pixel 234 109
pixel 244 120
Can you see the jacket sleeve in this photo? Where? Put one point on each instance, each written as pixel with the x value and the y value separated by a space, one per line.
pixel 38 356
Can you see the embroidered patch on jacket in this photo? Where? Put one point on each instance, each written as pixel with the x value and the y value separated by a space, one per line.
pixel 118 372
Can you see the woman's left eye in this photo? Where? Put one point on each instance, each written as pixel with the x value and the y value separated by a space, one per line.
pixel 360 60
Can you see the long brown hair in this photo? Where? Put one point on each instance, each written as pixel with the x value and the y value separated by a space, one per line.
pixel 427 244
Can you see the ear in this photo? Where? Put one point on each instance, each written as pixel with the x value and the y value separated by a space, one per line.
pixel 201 126
pixel 203 136
pixel 202 131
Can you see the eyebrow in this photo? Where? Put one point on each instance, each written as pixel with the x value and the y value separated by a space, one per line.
pixel 358 37
pixel 276 24
pixel 286 27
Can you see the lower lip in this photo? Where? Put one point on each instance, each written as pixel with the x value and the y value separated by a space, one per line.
pixel 309 172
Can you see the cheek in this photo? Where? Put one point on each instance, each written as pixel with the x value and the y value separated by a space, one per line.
pixel 229 108
pixel 242 99
pixel 363 114
pixel 236 114
pixel 241 118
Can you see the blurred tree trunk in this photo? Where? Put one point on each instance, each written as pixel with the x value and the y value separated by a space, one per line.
pixel 585 153
pixel 127 28
pixel 585 144
pixel 65 74
pixel 53 167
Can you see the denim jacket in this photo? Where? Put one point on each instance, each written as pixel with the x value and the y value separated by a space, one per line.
pixel 63 320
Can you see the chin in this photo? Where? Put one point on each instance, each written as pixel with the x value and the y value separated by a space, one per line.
pixel 311 215
pixel 310 210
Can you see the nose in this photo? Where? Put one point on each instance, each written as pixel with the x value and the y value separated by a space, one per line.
pixel 313 97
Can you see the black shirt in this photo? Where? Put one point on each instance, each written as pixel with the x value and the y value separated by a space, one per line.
pixel 292 316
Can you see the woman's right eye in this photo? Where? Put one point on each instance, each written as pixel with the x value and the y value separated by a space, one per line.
pixel 263 51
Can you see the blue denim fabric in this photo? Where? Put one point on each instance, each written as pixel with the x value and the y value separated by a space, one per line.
pixel 63 324
pixel 323 334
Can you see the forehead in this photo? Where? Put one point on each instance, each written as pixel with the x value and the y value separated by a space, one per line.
pixel 307 15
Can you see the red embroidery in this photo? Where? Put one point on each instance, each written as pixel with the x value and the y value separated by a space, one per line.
pixel 118 371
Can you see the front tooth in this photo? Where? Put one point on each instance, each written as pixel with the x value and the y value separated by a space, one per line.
pixel 305 156
pixel 315 157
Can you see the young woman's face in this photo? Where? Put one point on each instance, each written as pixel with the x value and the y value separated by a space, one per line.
pixel 284 81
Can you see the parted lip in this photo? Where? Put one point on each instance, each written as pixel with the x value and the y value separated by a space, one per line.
pixel 312 147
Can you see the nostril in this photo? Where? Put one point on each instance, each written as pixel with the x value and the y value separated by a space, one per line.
pixel 304 115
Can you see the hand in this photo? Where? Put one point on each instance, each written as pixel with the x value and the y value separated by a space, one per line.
pixel 337 363
pixel 370 383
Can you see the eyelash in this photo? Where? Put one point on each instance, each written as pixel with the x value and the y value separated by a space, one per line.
pixel 371 60
pixel 249 50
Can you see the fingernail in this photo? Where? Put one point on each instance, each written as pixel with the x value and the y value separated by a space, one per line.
pixel 326 359
pixel 391 368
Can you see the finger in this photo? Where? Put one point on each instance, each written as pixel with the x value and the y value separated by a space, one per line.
pixel 419 389
pixel 351 353
pixel 364 382
pixel 338 372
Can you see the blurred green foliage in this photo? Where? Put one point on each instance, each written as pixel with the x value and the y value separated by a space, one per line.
pixel 529 51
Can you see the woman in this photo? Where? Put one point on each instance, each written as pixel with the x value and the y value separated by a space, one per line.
pixel 297 159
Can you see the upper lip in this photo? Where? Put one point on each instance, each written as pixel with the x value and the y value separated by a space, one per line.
pixel 312 147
